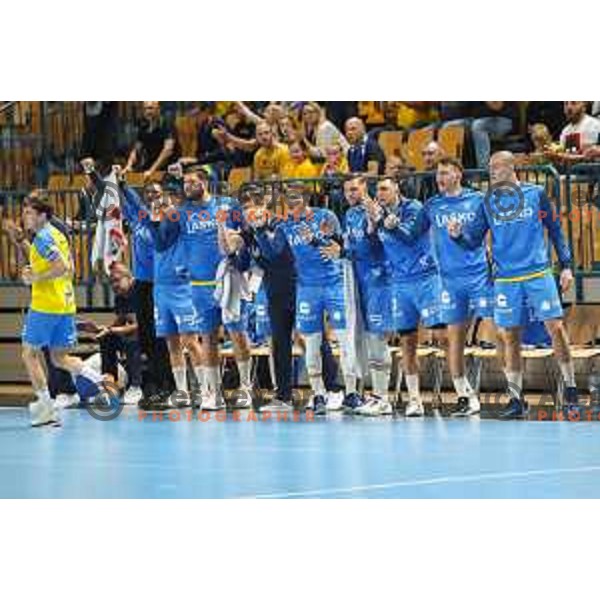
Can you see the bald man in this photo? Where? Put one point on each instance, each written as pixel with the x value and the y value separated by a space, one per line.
pixel 524 287
pixel 431 153
pixel 364 154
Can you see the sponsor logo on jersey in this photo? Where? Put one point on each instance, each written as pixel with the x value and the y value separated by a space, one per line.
pixel 501 300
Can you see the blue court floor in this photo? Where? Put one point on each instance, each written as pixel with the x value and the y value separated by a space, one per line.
pixel 333 457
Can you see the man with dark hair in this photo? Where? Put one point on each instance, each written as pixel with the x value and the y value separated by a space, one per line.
pixel 155 145
pixel 50 321
pixel 466 288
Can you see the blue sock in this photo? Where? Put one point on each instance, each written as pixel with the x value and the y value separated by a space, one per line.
pixel 86 388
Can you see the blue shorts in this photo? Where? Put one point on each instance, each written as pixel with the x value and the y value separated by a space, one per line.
pixel 174 311
pixel 209 311
pixel 375 305
pixel 48 329
pixel 312 303
pixel 261 312
pixel 462 298
pixel 518 302
pixel 415 302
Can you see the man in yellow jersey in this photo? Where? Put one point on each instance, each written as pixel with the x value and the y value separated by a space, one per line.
pixel 50 320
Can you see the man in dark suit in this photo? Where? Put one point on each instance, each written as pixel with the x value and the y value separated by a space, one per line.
pixel 364 154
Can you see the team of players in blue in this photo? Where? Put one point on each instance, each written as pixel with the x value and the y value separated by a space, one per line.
pixel 405 264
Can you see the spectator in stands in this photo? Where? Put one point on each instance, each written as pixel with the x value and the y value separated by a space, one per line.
pixel 364 154
pixel 210 146
pixel 273 115
pixel 395 167
pixel 121 338
pixel 271 157
pixel 540 138
pixel 582 130
pixel 155 145
pixel 100 124
pixel 551 114
pixel 335 161
pixel 493 120
pixel 318 132
pixel 412 115
pixel 299 166
pixel 431 153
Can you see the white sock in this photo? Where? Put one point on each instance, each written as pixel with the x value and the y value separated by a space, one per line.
pixel 200 377
pixel 515 382
pixel 211 375
pixel 43 395
pixel 272 371
pixel 412 383
pixel 350 383
pixel 244 371
pixel 568 372
pixel 463 387
pixel 381 381
pixel 180 376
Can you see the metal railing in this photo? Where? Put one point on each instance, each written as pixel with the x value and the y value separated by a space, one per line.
pixel 575 194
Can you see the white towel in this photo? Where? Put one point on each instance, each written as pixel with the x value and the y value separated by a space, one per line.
pixel 232 288
pixel 354 323
pixel 110 241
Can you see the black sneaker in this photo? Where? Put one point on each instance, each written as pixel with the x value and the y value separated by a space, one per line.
pixel 462 405
pixel 352 401
pixel 571 400
pixel 515 409
pixel 319 404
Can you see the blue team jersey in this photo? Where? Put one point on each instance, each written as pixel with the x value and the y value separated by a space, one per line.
pixel 141 239
pixel 366 252
pixel 170 260
pixel 407 247
pixel 200 228
pixel 452 259
pixel 311 267
pixel 519 246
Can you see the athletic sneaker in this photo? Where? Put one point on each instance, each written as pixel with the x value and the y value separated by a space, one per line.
pixel 179 399
pixel 352 402
pixel 414 408
pixel 335 400
pixel 319 404
pixel 467 407
pixel 67 401
pixel 212 401
pixel 277 405
pixel 43 413
pixel 375 406
pixel 515 409
pixel 245 398
pixel 132 396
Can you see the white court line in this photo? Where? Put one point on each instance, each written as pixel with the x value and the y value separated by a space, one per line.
pixel 425 482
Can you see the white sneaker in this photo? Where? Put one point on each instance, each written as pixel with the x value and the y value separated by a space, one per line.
pixel 43 413
pixel 132 396
pixel 67 400
pixel 212 401
pixel 375 406
pixel 335 400
pixel 414 409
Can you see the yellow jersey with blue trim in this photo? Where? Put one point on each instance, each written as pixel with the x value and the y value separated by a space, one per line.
pixel 55 296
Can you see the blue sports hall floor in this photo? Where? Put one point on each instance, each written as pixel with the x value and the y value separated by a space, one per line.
pixel 336 456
